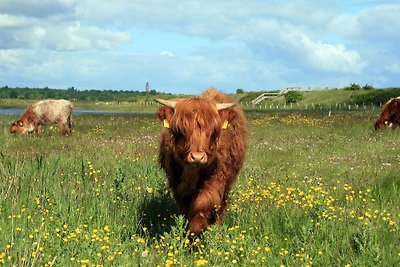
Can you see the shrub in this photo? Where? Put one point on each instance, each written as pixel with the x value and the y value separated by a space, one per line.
pixel 377 97
pixel 353 87
pixel 293 97
pixel 368 87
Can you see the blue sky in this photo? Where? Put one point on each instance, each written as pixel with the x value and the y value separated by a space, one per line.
pixel 187 46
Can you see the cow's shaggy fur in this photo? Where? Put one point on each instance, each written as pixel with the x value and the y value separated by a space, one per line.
pixel 43 113
pixel 202 150
pixel 390 114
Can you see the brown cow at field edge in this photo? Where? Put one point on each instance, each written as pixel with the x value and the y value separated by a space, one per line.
pixel 390 114
pixel 43 113
pixel 202 148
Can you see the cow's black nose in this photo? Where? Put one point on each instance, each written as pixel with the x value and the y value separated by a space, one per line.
pixel 197 157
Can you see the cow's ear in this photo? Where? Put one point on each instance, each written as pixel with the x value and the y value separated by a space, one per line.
pixel 227 116
pixel 164 114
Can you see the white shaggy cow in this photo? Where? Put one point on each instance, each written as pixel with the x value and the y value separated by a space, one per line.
pixel 43 113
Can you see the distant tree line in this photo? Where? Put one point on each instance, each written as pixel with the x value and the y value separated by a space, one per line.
pixel 71 93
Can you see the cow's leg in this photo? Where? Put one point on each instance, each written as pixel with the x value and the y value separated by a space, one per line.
pixel 198 224
pixel 221 211
pixel 36 126
pixel 69 120
pixel 64 128
pixel 186 190
pixel 204 205
pixel 37 129
pixel 183 204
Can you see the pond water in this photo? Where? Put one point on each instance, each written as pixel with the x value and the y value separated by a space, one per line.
pixel 77 112
pixel 11 111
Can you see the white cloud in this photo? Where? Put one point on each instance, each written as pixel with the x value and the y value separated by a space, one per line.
pixel 394 68
pixel 378 24
pixel 11 21
pixel 53 25
pixel 10 56
pixel 298 47
pixel 35 8
pixel 167 54
pixel 329 57
pixel 74 37
pixel 68 36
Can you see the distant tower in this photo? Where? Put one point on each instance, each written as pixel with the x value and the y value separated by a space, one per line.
pixel 147 87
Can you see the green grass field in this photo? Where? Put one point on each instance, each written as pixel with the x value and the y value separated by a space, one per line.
pixel 315 190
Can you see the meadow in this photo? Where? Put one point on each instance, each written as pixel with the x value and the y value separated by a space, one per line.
pixel 315 190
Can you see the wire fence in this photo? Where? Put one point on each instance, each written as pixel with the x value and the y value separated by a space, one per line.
pixel 312 106
pixel 282 106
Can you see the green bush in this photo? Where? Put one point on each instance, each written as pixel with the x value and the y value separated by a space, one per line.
pixel 368 87
pixel 293 97
pixel 353 87
pixel 377 97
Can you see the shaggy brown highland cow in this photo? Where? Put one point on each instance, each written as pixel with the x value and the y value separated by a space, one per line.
pixel 42 113
pixel 203 146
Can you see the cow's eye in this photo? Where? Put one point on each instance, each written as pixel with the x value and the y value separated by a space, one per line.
pixel 214 135
pixel 178 135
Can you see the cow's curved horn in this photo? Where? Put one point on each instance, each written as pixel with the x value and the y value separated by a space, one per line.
pixel 221 106
pixel 168 103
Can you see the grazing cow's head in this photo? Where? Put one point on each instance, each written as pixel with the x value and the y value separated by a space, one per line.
pixel 195 125
pixel 380 123
pixel 20 127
